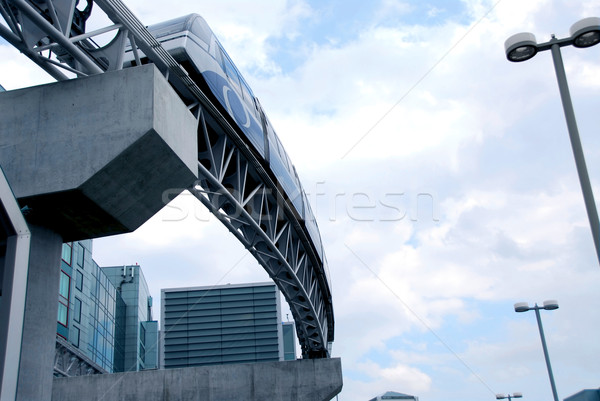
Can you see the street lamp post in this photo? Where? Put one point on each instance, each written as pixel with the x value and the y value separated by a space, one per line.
pixel 522 47
pixel 548 305
pixel 509 396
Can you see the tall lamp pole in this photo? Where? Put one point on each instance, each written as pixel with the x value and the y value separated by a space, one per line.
pixel 522 47
pixel 548 305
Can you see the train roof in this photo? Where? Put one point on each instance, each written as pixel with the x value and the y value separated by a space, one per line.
pixel 192 22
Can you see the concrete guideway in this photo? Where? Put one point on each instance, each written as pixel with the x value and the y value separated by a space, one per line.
pixel 301 380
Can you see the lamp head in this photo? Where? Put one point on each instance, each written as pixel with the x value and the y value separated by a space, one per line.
pixel 551 304
pixel 517 395
pixel 586 33
pixel 500 396
pixel 520 47
pixel 521 307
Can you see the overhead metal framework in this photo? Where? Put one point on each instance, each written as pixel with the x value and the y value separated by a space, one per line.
pixel 232 183
pixel 68 362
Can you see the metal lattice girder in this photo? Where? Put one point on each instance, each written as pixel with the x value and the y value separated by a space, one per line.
pixel 234 184
pixel 69 361
pixel 256 213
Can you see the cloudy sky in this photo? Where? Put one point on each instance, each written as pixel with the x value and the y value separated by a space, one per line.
pixel 441 176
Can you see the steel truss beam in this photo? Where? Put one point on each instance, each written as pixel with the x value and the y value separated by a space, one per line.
pixel 256 213
pixel 233 183
pixel 69 362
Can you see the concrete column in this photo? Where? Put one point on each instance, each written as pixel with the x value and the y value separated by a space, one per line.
pixel 41 308
pixel 14 263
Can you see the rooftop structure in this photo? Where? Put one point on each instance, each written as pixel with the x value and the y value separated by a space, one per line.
pixel 392 395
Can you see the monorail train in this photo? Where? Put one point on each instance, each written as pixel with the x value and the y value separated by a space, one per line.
pixel 192 43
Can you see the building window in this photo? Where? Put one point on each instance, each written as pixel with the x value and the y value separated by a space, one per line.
pixel 63 299
pixel 79 280
pixel 75 339
pixel 65 283
pixel 63 314
pixel 80 255
pixel 77 310
pixel 67 252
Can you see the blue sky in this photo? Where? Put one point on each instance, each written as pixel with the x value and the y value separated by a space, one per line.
pixel 412 105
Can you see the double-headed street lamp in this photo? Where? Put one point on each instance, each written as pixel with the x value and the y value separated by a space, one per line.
pixel 548 305
pixel 509 396
pixel 522 47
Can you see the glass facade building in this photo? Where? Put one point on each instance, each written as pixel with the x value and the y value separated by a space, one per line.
pixel 289 341
pixel 93 311
pixel 221 325
pixel 136 330
pixel 86 305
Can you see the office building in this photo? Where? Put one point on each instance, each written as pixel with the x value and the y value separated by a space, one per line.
pixel 289 340
pixel 221 324
pixel 136 330
pixel 86 305
pixel 104 316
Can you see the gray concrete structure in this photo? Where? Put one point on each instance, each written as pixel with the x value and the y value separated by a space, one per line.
pixel 15 238
pixel 39 326
pixel 127 138
pixel 302 380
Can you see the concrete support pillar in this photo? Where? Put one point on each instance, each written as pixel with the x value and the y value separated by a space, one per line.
pixel 41 308
pixel 15 238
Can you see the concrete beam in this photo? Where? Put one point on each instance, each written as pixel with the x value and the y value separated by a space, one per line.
pixel 301 380
pixel 93 156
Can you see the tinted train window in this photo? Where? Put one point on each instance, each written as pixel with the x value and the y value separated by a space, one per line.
pixel 218 55
pixel 284 156
pixel 281 152
pixel 249 99
pixel 230 70
pixel 246 91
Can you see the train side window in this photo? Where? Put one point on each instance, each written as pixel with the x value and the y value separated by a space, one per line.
pixel 249 98
pixel 230 70
pixel 283 154
pixel 246 91
pixel 215 51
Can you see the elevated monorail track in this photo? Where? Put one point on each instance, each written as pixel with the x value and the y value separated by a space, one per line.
pixel 233 183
